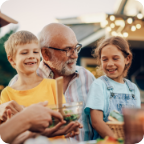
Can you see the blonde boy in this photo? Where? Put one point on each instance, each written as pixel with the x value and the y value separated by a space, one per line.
pixel 23 52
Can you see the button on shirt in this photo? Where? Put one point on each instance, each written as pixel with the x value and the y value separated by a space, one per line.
pixel 76 91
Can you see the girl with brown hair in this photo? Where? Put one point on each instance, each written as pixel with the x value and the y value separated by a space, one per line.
pixel 111 91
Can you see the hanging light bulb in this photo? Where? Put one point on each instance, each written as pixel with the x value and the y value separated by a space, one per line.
pixel 108 29
pixel 112 17
pixel 139 15
pixel 112 25
pixel 138 26
pixel 129 20
pixel 104 23
pixel 133 28
pixel 125 34
pixel 113 33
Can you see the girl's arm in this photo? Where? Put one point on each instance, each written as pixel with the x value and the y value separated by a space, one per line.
pixel 99 125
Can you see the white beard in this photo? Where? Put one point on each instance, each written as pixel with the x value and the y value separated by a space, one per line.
pixel 62 67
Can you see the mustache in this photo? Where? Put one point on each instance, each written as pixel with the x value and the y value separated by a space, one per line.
pixel 71 61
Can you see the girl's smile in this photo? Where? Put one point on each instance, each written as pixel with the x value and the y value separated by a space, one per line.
pixel 113 62
pixel 111 71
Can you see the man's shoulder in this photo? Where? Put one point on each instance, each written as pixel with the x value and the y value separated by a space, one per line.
pixel 81 69
pixel 13 80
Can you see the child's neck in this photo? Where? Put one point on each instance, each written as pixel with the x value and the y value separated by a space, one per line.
pixel 118 79
pixel 25 81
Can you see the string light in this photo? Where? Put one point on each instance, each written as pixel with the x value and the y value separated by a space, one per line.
pixel 112 25
pixel 139 15
pixel 112 17
pixel 129 20
pixel 125 34
pixel 121 23
pixel 138 26
pixel 113 33
pixel 133 28
pixel 104 23
pixel 108 29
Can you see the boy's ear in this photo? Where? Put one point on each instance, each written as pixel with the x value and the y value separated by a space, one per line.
pixel 10 59
pixel 45 54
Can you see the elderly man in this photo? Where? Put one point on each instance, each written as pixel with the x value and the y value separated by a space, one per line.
pixel 60 48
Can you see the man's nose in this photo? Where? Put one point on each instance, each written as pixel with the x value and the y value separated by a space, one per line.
pixel 75 54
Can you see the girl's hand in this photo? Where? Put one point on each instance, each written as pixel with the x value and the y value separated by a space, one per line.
pixel 99 125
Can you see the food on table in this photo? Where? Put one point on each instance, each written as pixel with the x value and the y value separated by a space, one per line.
pixel 110 140
pixel 70 112
pixel 114 115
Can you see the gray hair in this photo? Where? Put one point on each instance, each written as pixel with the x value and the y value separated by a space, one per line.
pixel 44 38
pixel 49 32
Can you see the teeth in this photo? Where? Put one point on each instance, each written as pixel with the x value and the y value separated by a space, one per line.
pixel 29 63
pixel 111 70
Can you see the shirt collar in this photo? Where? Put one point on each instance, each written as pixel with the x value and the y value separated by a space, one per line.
pixel 49 73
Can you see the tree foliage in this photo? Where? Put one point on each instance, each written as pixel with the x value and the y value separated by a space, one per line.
pixel 6 70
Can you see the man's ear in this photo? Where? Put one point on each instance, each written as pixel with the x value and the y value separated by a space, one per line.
pixel 45 54
pixel 10 59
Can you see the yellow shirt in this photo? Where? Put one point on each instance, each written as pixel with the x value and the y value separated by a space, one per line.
pixel 45 91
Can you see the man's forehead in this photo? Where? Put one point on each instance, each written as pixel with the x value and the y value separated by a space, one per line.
pixel 62 39
pixel 63 42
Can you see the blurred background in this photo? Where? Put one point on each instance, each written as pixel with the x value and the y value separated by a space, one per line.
pixel 91 21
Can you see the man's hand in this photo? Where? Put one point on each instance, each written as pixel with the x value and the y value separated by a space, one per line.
pixel 57 131
pixel 75 131
pixel 23 137
pixel 40 117
pixel 11 105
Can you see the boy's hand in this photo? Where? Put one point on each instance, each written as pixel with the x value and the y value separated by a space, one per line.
pixel 11 105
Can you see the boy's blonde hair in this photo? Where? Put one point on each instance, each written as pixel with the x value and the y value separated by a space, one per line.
pixel 19 38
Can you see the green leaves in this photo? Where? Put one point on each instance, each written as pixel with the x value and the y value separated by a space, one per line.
pixel 6 70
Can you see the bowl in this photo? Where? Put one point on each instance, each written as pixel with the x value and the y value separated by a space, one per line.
pixel 70 112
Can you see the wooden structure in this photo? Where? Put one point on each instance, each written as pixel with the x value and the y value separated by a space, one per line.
pixel 5 20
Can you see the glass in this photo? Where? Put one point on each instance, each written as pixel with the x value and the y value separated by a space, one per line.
pixel 70 112
pixel 69 51
pixel 134 125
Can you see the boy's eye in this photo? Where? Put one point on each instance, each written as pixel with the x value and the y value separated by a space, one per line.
pixel 116 58
pixel 104 59
pixel 36 52
pixel 24 53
